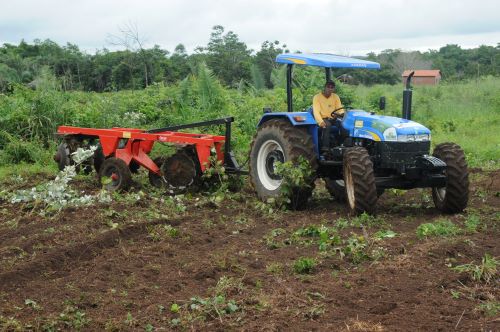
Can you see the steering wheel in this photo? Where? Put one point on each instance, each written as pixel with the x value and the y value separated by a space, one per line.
pixel 346 107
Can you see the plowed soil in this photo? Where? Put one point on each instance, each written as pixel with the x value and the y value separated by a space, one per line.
pixel 122 265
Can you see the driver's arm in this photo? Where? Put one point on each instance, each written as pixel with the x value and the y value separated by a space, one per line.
pixel 338 104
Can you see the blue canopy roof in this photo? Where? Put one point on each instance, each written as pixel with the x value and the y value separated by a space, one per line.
pixel 325 60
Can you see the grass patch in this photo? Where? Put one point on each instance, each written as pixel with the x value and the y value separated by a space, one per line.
pixel 304 265
pixel 442 227
pixel 485 271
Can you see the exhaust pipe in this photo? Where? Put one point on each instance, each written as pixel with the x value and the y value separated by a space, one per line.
pixel 407 93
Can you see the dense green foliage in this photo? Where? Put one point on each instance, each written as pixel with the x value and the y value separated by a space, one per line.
pixel 230 59
pixel 467 113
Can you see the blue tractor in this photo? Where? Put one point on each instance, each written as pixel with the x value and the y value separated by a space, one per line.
pixel 368 153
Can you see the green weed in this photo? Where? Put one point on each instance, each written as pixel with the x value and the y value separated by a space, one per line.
pixel 490 308
pixel 304 265
pixel 485 271
pixel 297 177
pixel 442 227
pixel 366 220
pixel 472 223
pixel 275 268
pixel 73 318
pixel 162 232
pixel 271 240
pixel 215 306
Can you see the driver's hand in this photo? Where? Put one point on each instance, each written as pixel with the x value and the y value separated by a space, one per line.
pixel 322 124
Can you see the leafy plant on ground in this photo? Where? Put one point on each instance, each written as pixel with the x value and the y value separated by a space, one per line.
pixel 57 194
pixel 490 308
pixel 275 268
pixel 304 265
pixel 271 239
pixel 296 177
pixel 366 220
pixel 161 232
pixel 72 318
pixel 215 306
pixel 355 249
pixel 384 234
pixel 472 223
pixel 442 227
pixel 486 271
pixel 326 237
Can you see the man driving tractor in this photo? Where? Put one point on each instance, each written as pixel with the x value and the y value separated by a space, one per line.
pixel 326 109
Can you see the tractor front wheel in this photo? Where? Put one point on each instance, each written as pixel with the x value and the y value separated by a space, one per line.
pixel 114 175
pixel 279 141
pixel 361 191
pixel 453 197
pixel 336 188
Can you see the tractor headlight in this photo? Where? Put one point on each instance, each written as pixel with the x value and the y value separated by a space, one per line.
pixel 406 138
pixel 423 137
pixel 390 134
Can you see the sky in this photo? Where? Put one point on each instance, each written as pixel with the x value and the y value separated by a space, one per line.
pixel 346 27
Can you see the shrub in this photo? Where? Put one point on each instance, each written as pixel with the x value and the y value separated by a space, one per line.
pixel 17 151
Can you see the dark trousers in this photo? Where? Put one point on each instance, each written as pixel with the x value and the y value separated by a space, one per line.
pixel 326 134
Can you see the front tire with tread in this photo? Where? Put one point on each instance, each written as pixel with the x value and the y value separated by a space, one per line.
pixel 454 196
pixel 359 179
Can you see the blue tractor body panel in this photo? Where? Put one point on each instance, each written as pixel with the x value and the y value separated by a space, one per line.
pixel 308 118
pixel 362 124
pixel 325 60
pixel 358 124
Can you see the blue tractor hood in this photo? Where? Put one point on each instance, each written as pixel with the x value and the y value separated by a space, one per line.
pixel 383 128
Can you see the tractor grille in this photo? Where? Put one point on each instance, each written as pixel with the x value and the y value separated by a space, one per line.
pixel 390 154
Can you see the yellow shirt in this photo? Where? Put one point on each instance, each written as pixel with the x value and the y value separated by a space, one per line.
pixel 323 107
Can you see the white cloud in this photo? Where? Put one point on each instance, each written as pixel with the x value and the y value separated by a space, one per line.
pixel 340 26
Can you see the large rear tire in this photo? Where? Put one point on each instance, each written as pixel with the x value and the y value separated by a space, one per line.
pixel 453 197
pixel 361 191
pixel 278 141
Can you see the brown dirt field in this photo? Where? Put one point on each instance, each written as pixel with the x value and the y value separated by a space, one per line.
pixel 121 266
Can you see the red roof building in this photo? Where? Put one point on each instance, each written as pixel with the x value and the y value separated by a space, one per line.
pixel 423 77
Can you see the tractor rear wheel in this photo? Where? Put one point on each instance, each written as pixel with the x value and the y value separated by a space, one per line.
pixel 278 141
pixel 118 173
pixel 453 197
pixel 361 191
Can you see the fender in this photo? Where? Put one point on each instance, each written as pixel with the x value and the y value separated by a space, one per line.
pixel 308 120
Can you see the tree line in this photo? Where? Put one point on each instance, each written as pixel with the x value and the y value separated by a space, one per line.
pixel 230 59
